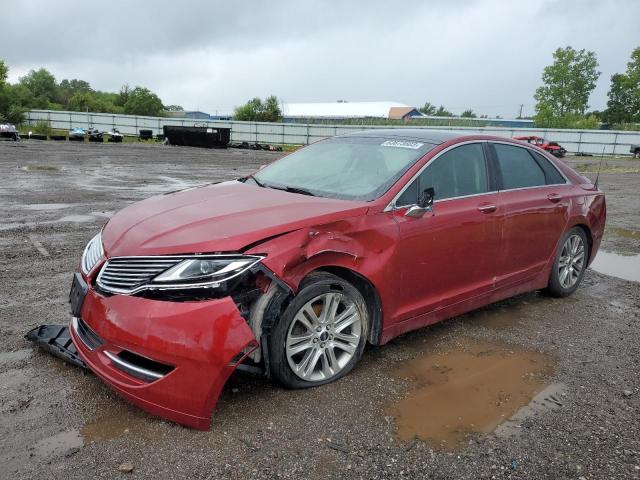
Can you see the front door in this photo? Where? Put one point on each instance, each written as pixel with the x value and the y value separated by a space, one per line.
pixel 449 254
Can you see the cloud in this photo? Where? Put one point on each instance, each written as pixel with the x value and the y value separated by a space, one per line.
pixel 482 54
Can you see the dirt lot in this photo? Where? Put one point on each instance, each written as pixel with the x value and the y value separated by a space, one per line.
pixel 426 405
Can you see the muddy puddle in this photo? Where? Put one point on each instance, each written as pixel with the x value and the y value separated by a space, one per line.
pixel 98 430
pixel 470 388
pixel 626 267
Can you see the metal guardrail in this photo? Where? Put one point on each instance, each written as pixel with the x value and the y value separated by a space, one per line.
pixel 583 141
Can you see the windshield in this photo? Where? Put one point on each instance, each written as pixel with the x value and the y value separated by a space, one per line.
pixel 350 168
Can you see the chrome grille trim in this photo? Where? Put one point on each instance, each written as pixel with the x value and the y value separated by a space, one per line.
pixel 127 274
pixel 133 370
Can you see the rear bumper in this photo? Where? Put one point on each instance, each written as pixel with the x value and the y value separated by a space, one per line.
pixel 201 343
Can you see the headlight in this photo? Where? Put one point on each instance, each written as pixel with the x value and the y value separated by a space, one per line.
pixel 92 253
pixel 206 271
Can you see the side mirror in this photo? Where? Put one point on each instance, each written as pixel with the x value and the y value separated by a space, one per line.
pixel 425 204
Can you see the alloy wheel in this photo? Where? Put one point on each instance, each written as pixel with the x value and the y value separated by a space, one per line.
pixel 323 337
pixel 572 261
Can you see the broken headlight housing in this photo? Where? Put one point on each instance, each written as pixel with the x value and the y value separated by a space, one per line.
pixel 93 252
pixel 205 272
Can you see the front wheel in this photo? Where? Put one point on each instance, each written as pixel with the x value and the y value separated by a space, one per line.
pixel 321 334
pixel 569 264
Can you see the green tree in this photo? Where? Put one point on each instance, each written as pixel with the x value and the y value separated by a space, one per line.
pixel 428 109
pixel 258 111
pixel 68 88
pixel 12 98
pixel 123 96
pixel 4 73
pixel 468 114
pixel 42 84
pixel 567 85
pixel 442 112
pixel 141 101
pixel 173 108
pixel 271 110
pixel 623 105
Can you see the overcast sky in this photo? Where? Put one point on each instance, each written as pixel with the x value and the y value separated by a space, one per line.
pixel 211 55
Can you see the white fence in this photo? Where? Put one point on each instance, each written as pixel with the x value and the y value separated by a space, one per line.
pixel 585 141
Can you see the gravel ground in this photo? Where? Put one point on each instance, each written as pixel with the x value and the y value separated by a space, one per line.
pixel 57 422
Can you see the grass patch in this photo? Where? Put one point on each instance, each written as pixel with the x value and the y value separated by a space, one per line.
pixel 41 168
pixel 623 232
pixel 594 168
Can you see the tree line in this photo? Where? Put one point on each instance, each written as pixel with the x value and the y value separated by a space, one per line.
pixel 40 90
pixel 562 101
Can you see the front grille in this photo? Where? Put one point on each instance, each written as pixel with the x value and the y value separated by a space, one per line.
pixel 125 275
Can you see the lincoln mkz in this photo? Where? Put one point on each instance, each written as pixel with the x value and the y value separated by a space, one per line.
pixel 292 271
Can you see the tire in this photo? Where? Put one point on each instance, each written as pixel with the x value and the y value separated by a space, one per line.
pixel 325 355
pixel 569 264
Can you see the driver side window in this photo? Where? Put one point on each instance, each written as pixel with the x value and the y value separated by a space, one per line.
pixel 459 172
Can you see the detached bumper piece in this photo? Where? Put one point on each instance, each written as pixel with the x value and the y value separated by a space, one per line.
pixel 171 359
pixel 56 339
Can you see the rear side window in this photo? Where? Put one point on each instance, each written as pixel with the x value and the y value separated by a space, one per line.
pixel 551 173
pixel 519 169
pixel 459 172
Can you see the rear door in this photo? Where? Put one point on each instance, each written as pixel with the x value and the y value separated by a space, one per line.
pixel 533 194
pixel 449 254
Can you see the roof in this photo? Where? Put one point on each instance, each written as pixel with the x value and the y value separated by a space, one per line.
pixel 401 112
pixel 425 134
pixel 341 109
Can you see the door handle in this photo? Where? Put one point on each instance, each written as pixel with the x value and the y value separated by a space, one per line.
pixel 554 197
pixel 487 208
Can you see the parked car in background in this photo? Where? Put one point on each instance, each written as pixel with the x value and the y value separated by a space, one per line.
pixel 291 271
pixel 554 148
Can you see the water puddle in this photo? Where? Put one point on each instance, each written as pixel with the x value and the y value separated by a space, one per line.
pixel 15 356
pixel 48 206
pixel 58 444
pixel 77 218
pixel 102 428
pixel 626 267
pixel 471 388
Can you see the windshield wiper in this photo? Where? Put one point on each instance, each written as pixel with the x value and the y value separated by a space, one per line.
pixel 302 191
pixel 258 182
pixel 285 188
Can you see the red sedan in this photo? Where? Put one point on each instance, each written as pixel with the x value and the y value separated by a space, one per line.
pixel 293 270
pixel 554 148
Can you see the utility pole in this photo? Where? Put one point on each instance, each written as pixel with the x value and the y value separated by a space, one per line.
pixel 521 107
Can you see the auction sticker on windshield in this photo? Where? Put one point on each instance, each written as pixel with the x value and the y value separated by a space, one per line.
pixel 401 144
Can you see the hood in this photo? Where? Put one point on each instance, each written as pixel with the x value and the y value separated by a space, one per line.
pixel 216 218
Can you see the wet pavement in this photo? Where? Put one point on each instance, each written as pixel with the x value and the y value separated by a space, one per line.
pixel 531 387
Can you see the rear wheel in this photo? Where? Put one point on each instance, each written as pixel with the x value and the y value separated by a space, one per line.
pixel 569 264
pixel 321 335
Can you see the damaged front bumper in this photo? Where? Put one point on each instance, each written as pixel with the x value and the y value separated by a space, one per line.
pixel 171 359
